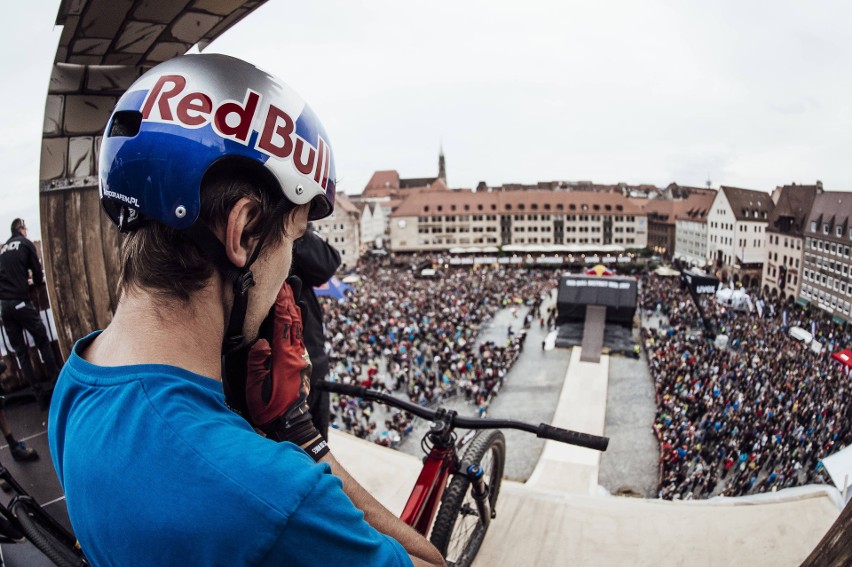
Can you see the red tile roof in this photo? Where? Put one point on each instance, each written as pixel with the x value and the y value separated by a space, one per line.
pixel 342 203
pixel 384 179
pixel 465 202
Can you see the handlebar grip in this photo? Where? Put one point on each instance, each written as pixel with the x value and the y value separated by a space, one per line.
pixel 595 442
pixel 345 389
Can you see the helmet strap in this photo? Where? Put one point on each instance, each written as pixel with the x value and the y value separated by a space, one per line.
pixel 241 278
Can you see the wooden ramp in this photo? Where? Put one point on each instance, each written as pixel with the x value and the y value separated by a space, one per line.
pixel 593 333
pixel 544 527
pixel 581 407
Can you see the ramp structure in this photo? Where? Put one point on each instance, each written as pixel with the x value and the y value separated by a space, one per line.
pixel 551 526
pixel 105 45
pixel 593 333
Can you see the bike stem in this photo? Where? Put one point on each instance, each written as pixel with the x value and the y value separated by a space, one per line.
pixel 441 433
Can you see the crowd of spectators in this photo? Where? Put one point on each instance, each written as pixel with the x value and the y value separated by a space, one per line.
pixel 402 334
pixel 752 417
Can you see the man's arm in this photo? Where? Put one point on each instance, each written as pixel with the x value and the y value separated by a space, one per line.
pixel 34 264
pixel 421 552
pixel 314 259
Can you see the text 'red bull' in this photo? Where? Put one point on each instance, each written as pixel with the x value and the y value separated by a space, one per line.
pixel 278 137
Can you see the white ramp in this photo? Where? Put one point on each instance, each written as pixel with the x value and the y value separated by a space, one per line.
pixel 544 528
pixel 581 407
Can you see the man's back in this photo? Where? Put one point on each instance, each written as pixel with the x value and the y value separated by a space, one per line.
pixel 168 475
pixel 18 256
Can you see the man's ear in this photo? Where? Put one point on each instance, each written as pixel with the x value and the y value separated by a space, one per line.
pixel 238 245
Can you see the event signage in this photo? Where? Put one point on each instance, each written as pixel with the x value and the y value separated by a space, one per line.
pixel 700 284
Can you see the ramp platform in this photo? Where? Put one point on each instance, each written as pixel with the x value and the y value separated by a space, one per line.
pixel 593 333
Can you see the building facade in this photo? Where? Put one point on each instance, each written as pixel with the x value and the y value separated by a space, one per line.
pixel 342 229
pixel 374 224
pixel 736 232
pixel 428 222
pixel 827 265
pixel 691 229
pixel 782 272
pixel 664 211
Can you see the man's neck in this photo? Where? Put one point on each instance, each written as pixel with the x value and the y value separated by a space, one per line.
pixel 186 335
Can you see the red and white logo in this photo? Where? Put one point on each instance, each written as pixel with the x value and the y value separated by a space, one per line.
pixel 167 102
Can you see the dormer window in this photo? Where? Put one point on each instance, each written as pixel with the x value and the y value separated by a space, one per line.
pixel 825 228
pixel 572 206
pixel 813 226
pixel 838 231
pixel 755 214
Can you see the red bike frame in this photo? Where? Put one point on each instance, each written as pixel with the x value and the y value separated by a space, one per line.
pixel 426 496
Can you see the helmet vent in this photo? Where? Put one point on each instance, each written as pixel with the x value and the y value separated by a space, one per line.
pixel 125 123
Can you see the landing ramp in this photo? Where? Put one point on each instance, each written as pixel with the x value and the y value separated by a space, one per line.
pixel 541 527
pixel 593 333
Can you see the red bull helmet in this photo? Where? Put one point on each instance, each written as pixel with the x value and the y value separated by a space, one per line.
pixel 191 112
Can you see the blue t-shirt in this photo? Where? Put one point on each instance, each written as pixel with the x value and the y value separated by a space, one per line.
pixel 158 471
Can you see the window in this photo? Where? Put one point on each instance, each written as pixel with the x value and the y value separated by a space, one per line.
pixel 813 226
pixel 838 231
pixel 825 228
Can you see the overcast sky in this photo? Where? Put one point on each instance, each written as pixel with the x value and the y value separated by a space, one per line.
pixel 746 94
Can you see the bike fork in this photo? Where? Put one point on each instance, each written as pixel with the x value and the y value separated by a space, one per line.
pixel 480 494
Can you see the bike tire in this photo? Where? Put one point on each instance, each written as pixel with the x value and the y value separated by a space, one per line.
pixel 458 532
pixel 45 541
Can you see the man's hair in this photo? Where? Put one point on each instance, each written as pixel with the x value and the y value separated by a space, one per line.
pixel 17 224
pixel 165 261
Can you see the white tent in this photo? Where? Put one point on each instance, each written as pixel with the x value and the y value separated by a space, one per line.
pixel 839 467
pixel 800 334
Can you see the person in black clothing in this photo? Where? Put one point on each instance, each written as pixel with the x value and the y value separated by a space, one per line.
pixel 18 259
pixel 314 262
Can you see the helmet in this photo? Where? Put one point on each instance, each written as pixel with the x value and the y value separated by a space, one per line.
pixel 194 111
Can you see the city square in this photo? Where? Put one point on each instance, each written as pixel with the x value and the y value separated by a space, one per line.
pixel 382 284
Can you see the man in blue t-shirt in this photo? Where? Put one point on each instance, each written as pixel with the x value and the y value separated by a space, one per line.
pixel 212 168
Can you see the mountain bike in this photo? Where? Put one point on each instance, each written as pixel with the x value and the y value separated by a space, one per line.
pixel 24 519
pixel 456 492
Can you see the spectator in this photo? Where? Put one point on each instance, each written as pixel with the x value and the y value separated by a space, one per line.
pixel 314 262
pixel 19 270
pixel 755 417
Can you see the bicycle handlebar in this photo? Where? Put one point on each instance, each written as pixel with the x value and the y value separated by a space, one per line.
pixel 542 430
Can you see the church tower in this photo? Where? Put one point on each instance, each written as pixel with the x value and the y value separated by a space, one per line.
pixel 442 166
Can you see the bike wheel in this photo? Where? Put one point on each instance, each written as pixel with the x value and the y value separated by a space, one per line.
pixel 458 530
